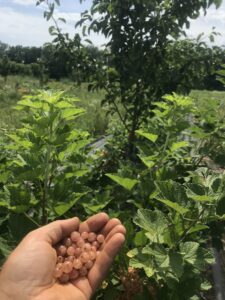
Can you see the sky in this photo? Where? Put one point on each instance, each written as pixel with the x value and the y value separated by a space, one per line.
pixel 22 23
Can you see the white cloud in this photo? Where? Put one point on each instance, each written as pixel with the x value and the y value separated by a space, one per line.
pixel 24 2
pixel 213 18
pixel 19 28
pixel 30 28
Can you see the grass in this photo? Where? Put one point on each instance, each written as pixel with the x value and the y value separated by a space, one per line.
pixel 210 95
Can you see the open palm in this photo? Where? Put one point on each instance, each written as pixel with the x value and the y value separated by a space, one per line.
pixel 28 273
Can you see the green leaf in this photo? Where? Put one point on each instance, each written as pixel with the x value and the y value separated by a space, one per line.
pixel 97 204
pixel 62 20
pixel 5 249
pixel 132 253
pixel 178 145
pixel 22 142
pixel 221 207
pixel 189 251
pixel 4 204
pixel 3 219
pixel 218 3
pixel 127 183
pixel 28 103
pixel 202 198
pixel 198 228
pixel 161 257
pixel 20 225
pixel 147 161
pixel 63 208
pixel 64 104
pixel 206 286
pixel 181 210
pixel 151 137
pixel 70 113
pixel 196 192
pixel 153 222
pixel 142 261
pixel 97 207
pixel 140 238
pixel 172 191
pixel 176 264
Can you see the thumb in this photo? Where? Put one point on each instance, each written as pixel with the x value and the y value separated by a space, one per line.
pixel 56 231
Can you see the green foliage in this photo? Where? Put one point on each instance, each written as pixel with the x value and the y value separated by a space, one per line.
pixel 46 164
pixel 179 201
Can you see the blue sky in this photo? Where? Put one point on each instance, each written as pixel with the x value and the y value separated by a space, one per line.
pixel 22 22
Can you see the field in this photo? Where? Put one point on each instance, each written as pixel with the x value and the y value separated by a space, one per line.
pixel 96 119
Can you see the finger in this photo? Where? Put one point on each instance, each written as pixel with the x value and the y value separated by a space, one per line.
pixel 94 223
pixel 105 259
pixel 110 225
pixel 56 231
pixel 117 229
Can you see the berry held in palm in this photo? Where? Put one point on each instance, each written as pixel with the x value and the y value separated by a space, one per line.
pixel 76 255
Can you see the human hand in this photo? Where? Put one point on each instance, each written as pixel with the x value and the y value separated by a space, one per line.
pixel 28 272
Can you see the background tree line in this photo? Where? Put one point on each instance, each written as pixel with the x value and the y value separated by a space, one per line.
pixel 189 63
pixel 49 60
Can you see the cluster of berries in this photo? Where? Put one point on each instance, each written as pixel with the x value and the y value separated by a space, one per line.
pixel 76 255
pixel 132 284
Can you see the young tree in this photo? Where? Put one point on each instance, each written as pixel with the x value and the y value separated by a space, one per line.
pixel 140 33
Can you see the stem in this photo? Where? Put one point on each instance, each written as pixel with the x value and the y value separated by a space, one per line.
pixel 45 190
pixel 120 116
pixel 34 222
pixel 47 177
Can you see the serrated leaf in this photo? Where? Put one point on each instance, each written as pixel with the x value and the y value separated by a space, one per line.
pixel 142 261
pixel 150 136
pixel 22 142
pixel 153 222
pixel 189 251
pixel 72 112
pixel 127 183
pixel 178 208
pixel 33 104
pixel 172 191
